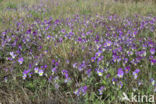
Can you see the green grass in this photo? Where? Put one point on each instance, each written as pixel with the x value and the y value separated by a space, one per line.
pixel 12 10
pixel 67 8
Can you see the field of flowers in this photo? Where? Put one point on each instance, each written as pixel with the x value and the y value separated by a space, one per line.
pixel 76 56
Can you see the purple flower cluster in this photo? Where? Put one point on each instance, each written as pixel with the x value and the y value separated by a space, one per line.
pixel 101 51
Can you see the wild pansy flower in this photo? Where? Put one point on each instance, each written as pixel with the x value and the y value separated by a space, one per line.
pixel 67 61
pixel 36 69
pixel 152 50
pixel 134 62
pixel 133 48
pixel 144 46
pixel 151 44
pixel 57 85
pixel 98 46
pixel 100 58
pixel 80 68
pixel 127 69
pixel 153 61
pixel 53 61
pixel 129 53
pixel 98 53
pixel 30 74
pixel 120 84
pixel 77 92
pixel 120 73
pixel 42 67
pixel 143 53
pixel 99 72
pixel 45 52
pixel 40 72
pixel 12 55
pixel 48 37
pixel 125 60
pixel 20 60
pixel 24 76
pixel 65 72
pixel 56 63
pixel 138 59
pixel 88 72
pixel 135 73
pixel 114 58
pixel 53 70
pixel 45 66
pixel 50 78
pixel 67 80
pixel 118 59
pixel 114 80
pixel 151 57
pixel 25 73
pixel 84 90
pixel 108 75
pixel 108 43
pixel 152 81
pixel 74 65
pixel 93 59
pixel 101 90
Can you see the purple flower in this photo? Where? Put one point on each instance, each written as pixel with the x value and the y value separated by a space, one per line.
pixel 152 81
pixel 30 74
pixel 144 46
pixel 101 90
pixel 99 53
pixel 108 75
pixel 40 72
pixel 74 65
pixel 150 43
pixel 129 53
pixel 81 90
pixel 20 60
pixel 36 69
pixel 57 63
pixel 45 66
pixel 114 80
pixel 153 61
pixel 108 43
pixel 114 58
pixel 152 50
pixel 67 80
pixel 67 61
pixel 84 90
pixel 80 68
pixel 24 76
pixel 120 84
pixel 135 73
pixel 127 69
pixel 53 61
pixel 53 70
pixel 12 55
pixel 93 59
pixel 88 72
pixel 77 92
pixel 25 73
pixel 125 60
pixel 120 73
pixel 100 58
pixel 48 37
pixel 99 72
pixel 65 72
pixel 57 85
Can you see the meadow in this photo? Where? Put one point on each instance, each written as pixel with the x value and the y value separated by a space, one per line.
pixel 77 51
